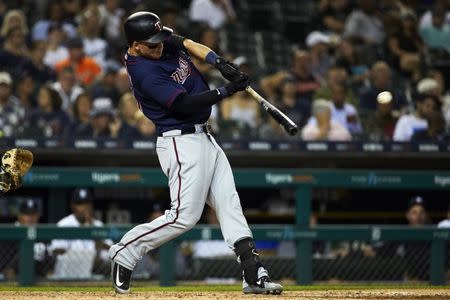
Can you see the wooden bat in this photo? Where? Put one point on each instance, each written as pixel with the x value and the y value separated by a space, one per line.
pixel 288 125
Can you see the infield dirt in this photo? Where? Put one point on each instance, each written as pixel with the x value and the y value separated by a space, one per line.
pixel 403 294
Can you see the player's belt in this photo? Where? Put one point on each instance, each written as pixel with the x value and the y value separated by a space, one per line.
pixel 197 128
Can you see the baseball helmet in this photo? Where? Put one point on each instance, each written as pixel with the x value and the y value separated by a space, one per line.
pixel 145 26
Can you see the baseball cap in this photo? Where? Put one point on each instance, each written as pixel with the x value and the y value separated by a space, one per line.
pixel 82 195
pixel 28 206
pixel 316 37
pixel 5 78
pixel 416 200
pixel 102 105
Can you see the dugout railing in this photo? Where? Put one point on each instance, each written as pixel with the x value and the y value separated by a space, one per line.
pixel 303 180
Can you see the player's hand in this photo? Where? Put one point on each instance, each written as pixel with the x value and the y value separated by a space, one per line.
pixel 239 84
pixel 228 70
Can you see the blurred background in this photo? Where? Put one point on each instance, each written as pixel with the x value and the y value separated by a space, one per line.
pixel 366 81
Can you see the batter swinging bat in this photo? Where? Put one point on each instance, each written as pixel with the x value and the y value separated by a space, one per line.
pixel 290 127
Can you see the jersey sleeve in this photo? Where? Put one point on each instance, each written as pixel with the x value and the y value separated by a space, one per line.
pixel 161 88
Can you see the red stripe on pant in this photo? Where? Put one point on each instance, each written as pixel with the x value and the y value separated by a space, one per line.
pixel 178 206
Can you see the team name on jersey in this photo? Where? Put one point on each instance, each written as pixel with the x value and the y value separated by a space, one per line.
pixel 182 72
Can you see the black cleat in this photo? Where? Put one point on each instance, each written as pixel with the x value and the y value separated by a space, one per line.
pixel 263 286
pixel 121 277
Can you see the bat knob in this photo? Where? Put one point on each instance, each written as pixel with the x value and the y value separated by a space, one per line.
pixel 293 130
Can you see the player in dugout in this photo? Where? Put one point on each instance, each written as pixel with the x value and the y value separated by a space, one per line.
pixel 173 94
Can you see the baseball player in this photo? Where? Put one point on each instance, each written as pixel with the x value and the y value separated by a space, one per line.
pixel 173 94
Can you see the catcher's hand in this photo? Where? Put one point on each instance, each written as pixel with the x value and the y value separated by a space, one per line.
pixel 14 165
pixel 228 70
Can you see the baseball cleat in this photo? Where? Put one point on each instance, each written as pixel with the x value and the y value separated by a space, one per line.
pixel 121 277
pixel 263 286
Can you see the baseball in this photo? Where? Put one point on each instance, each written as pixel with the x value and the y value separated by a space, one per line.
pixel 384 97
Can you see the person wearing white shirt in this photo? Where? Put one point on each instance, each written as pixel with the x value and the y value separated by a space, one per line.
pixel 213 12
pixel 342 112
pixel 67 87
pixel 55 52
pixel 408 124
pixel 79 258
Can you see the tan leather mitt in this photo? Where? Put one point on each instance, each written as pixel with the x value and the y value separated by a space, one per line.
pixel 15 164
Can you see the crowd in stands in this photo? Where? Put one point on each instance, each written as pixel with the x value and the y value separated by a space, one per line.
pixel 365 70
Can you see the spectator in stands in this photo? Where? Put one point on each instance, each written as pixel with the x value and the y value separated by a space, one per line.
pixel 48 119
pixel 336 75
pixel 435 132
pixel 289 105
pixel 111 16
pixel 437 34
pixel 11 112
pixel 94 45
pixel 349 57
pixel 55 51
pixel 104 123
pixel 24 92
pixel 67 87
pixel 436 87
pixel 54 14
pixel 80 111
pixel 426 19
pixel 321 61
pixel 380 125
pixel 106 86
pixel 215 13
pixel 322 127
pixel 342 112
pixel 14 54
pixel 406 47
pixel 128 109
pixel 364 24
pixel 28 215
pixel 80 258
pixel 39 69
pixel 12 19
pixel 145 127
pixel 332 15
pixel 86 69
pixel 408 124
pixel 380 81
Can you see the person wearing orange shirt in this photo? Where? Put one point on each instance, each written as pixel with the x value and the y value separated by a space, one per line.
pixel 86 69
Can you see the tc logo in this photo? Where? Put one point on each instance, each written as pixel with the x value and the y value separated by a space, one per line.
pixel 158 26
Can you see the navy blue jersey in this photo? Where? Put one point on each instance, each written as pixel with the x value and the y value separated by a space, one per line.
pixel 157 83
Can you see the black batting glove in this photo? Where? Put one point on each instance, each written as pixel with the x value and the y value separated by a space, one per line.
pixel 228 70
pixel 239 84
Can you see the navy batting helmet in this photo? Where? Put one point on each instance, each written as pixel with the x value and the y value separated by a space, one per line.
pixel 145 26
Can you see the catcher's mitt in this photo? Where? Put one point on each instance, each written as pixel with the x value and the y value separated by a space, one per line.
pixel 14 165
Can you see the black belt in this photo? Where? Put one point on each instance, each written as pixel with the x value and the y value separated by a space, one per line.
pixel 188 130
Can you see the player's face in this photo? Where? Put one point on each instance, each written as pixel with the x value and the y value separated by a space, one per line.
pixel 28 219
pixel 416 215
pixel 152 51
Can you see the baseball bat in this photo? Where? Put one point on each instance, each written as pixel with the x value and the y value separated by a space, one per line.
pixel 288 125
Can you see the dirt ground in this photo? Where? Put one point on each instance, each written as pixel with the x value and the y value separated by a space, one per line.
pixel 403 294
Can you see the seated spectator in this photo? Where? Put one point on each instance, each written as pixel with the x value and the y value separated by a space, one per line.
pixel 14 53
pixel 54 13
pixel 80 258
pixel 81 110
pixel 380 81
pixel 318 44
pixel 380 125
pixel 336 75
pixel 12 112
pixel 215 13
pixel 435 132
pixel 87 71
pixel 47 119
pixel 408 124
pixel 104 123
pixel 406 47
pixel 437 34
pixel 426 19
pixel 342 112
pixel 106 86
pixel 437 88
pixel 349 57
pixel 25 92
pixel 12 19
pixel 322 127
pixel 332 15
pixel 111 16
pixel 67 87
pixel 289 105
pixel 364 24
pixel 39 69
pixel 94 45
pixel 28 215
pixel 55 51
pixel 128 109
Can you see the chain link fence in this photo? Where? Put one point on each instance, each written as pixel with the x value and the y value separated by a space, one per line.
pixel 211 261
